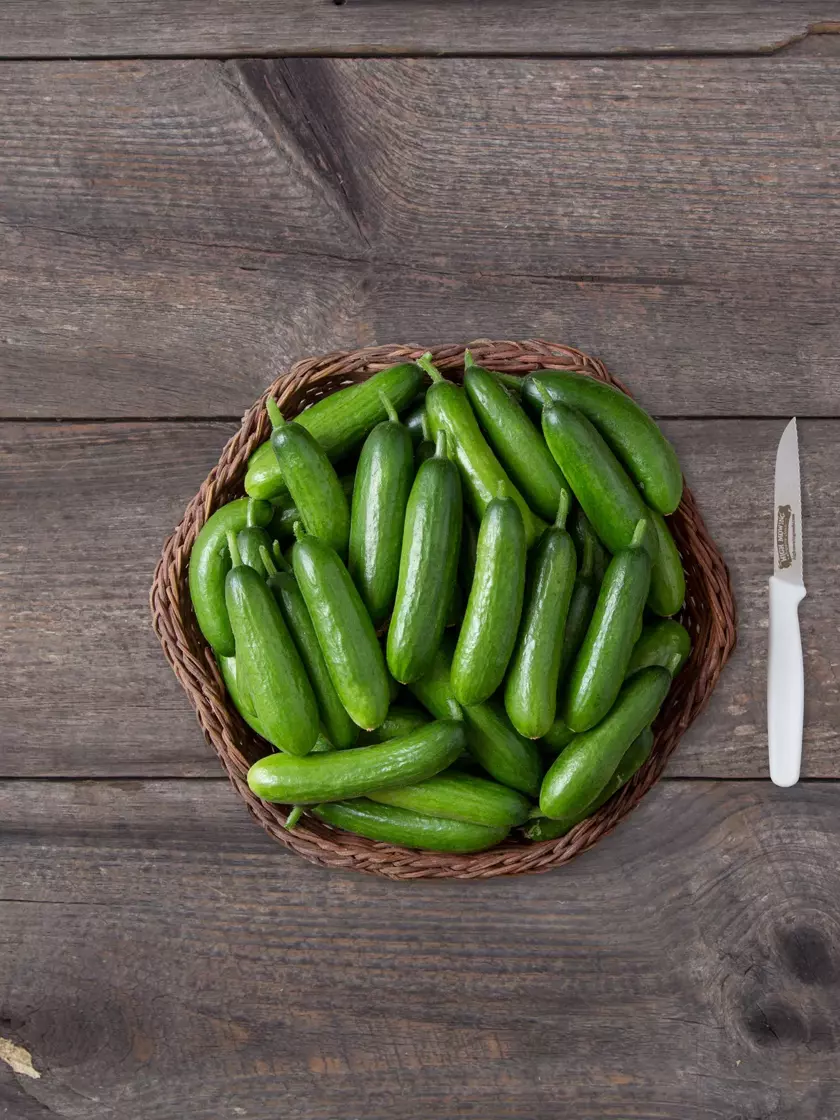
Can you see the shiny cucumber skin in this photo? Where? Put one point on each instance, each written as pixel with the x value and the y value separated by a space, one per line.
pixel 458 796
pixel 666 643
pixel 634 436
pixel 601 662
pixel 343 774
pixel 434 688
pixel 499 749
pixel 380 496
pixel 339 422
pixel 428 564
pixel 249 541
pixel 494 607
pixel 391 825
pixel 534 673
pixel 416 423
pixel 210 563
pixel 286 513
pixel 582 770
pixel 345 632
pixel 399 721
pixel 242 703
pixel 269 664
pixel 667 584
pixel 518 444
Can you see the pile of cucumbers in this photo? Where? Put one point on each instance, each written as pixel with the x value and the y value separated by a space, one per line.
pixel 455 624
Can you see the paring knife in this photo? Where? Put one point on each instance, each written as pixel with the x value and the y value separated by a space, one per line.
pixel 785 674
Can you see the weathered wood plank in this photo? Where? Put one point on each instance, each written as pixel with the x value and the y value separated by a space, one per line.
pixel 85 509
pixel 175 232
pixel 165 958
pixel 165 27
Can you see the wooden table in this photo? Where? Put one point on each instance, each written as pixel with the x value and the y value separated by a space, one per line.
pixel 193 196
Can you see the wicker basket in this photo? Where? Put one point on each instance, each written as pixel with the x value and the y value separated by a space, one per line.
pixel 709 614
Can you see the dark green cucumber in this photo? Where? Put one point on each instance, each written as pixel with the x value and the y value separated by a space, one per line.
pixel 380 495
pixel 457 796
pixel 466 557
pixel 391 825
pixel 667 584
pixel 339 422
pixel 424 451
pixel 428 563
pixel 242 703
pixel 339 727
pixel 434 688
pixel 416 423
pixel 634 758
pixel 580 773
pixel 210 563
pixel 448 409
pixel 531 687
pixel 342 774
pixel 311 480
pixel 268 663
pixel 558 736
pixel 506 755
pixel 665 643
pixel 456 607
pixel 585 537
pixel 399 721
pixel 286 513
pixel 345 632
pixel 494 607
pixel 581 606
pixel 634 436
pixel 249 541
pixel 601 662
pixel 512 435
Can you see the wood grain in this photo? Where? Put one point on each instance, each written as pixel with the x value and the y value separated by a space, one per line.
pixel 85 509
pixel 174 233
pixel 163 956
pixel 166 27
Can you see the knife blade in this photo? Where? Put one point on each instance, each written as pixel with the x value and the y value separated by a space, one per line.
pixel 785 671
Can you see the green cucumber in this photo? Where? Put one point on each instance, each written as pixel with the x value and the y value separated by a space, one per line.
pixel 579 774
pixel 512 435
pixel 585 537
pixel 311 480
pixel 251 539
pixel 633 435
pixel 499 749
pixel 434 688
pixel 399 721
pixel 210 563
pixel 666 643
pixel 601 663
pixel 286 513
pixel 342 774
pixel 380 495
pixel 558 736
pixel 345 632
pixel 457 796
pixel 339 422
pixel 391 825
pixel 531 687
pixel 494 607
pixel 581 606
pixel 428 563
pixel 448 409
pixel 242 703
pixel 466 557
pixel 424 451
pixel 268 663
pixel 667 583
pixel 416 423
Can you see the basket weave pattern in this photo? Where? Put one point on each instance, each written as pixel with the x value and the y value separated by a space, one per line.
pixel 709 614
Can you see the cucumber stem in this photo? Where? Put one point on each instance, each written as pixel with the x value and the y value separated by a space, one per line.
pixel 469 361
pixel 392 413
pixel 294 816
pixel 563 509
pixel 426 363
pixel 424 427
pixel 501 490
pixel 250 517
pixel 543 392
pixel 509 380
pixel 441 450
pixel 233 548
pixel 278 557
pixel 639 533
pixel 274 414
pixel 299 530
pixel 268 563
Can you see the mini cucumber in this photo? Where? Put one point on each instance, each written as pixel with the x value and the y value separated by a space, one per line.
pixel 512 435
pixel 667 584
pixel 210 563
pixel 339 422
pixel 399 721
pixel 457 796
pixel 499 749
pixel 286 513
pixel 531 687
pixel 581 606
pixel 391 825
pixel 448 409
pixel 342 774
pixel 665 643
pixel 268 662
pixel 242 703
pixel 585 537
pixel 251 539
pixel 494 607
pixel 416 423
pixel 633 435
pixel 345 632
pixel 558 736
pixel 601 662
pixel 466 557
pixel 428 563
pixel 579 774
pixel 434 688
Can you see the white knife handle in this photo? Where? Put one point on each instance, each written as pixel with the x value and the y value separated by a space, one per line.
pixel 785 682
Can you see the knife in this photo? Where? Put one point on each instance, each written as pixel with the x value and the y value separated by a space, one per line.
pixel 785 673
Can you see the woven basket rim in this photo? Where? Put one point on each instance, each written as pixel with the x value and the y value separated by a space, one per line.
pixel 709 613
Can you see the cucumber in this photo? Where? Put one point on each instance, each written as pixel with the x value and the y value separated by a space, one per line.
pixel 210 563
pixel 434 688
pixel 391 825
pixel 399 721
pixel 380 495
pixel 494 607
pixel 339 422
pixel 416 423
pixel 581 606
pixel 286 513
pixel 345 632
pixel 579 774
pixel 512 435
pixel 585 537
pixel 448 409
pixel 601 663
pixel 558 736
pixel 665 643
pixel 466 557
pixel 633 435
pixel 242 703
pixel 499 749
pixel 311 480
pixel 457 796
pixel 667 585
pixel 249 542
pixel 424 451
pixel 342 774
pixel 428 562
pixel 269 667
